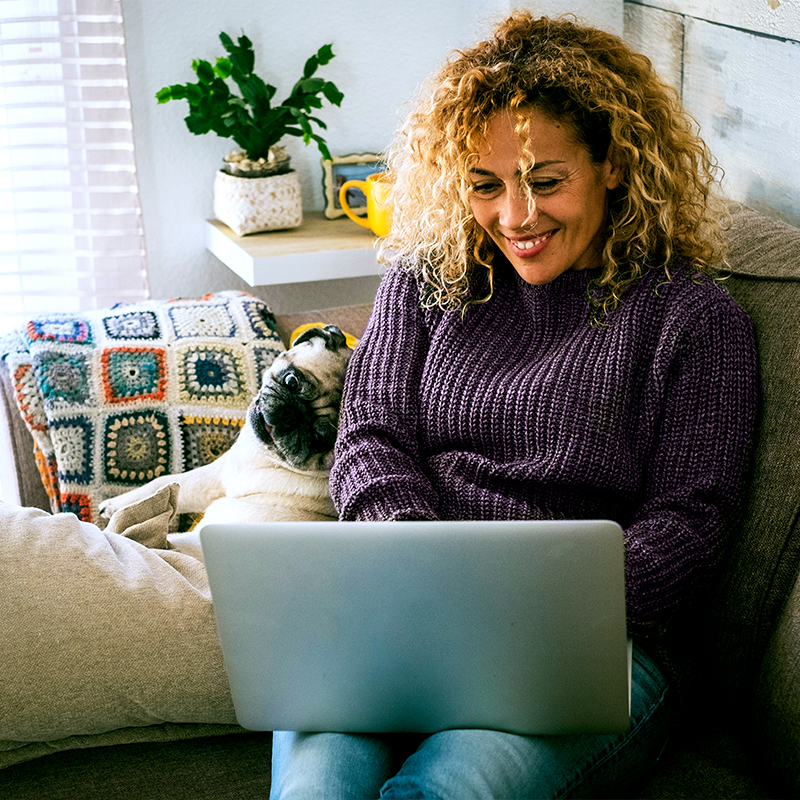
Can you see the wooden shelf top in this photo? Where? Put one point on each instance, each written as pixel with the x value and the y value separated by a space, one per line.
pixel 320 249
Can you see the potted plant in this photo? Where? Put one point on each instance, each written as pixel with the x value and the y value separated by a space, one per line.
pixel 256 190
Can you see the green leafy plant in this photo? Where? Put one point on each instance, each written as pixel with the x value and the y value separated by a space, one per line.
pixel 250 119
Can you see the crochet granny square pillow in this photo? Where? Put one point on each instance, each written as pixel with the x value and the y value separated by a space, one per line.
pixel 119 396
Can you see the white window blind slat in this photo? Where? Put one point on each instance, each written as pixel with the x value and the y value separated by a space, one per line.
pixel 71 234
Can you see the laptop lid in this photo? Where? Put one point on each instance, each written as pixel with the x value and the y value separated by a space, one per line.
pixel 423 626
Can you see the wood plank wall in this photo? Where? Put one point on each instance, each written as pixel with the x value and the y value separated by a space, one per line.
pixel 738 71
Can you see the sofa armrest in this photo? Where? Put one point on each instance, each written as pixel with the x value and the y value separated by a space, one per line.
pixel 351 319
pixel 19 476
pixel 777 698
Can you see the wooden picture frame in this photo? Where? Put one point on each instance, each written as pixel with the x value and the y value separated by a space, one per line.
pixel 336 172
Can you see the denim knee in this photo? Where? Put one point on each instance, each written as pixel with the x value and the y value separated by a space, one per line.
pixel 478 763
pixel 310 766
pixel 492 764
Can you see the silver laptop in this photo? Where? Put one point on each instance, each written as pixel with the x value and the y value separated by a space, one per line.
pixel 423 626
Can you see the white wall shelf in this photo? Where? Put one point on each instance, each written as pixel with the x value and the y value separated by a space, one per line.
pixel 320 249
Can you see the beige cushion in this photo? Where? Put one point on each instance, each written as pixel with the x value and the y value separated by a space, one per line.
pixel 100 633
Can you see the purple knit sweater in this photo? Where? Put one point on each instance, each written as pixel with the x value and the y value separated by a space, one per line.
pixel 522 409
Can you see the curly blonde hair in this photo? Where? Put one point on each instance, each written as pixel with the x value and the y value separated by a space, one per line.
pixel 664 207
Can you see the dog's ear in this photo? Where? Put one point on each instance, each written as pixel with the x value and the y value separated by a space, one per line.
pixel 333 336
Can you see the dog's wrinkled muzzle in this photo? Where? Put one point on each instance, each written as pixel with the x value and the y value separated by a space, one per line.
pixel 279 408
pixel 260 422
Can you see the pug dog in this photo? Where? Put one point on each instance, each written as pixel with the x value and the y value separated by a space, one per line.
pixel 277 469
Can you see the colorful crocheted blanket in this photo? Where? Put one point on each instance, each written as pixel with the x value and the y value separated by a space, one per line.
pixel 119 396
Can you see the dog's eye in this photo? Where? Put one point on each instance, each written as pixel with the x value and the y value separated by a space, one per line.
pixel 291 381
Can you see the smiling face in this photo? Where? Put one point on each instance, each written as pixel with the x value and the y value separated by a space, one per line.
pixel 563 228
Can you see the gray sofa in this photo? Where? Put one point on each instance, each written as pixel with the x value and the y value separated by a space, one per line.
pixel 739 735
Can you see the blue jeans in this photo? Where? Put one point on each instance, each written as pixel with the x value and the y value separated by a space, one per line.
pixel 477 763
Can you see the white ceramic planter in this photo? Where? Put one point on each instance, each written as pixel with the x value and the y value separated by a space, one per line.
pixel 249 205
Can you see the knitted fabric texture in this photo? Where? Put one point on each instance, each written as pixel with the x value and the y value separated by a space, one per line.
pixel 523 410
pixel 119 396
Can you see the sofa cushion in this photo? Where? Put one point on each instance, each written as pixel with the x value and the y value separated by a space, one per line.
pixel 104 640
pixel 777 699
pixel 214 768
pixel 761 247
pixel 118 396
pixel 763 559
pixel 19 477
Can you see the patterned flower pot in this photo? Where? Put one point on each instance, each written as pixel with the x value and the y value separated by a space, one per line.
pixel 249 205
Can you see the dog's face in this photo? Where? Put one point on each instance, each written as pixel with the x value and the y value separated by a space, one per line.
pixel 296 412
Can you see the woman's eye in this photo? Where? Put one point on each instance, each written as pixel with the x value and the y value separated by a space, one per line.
pixel 544 185
pixel 484 189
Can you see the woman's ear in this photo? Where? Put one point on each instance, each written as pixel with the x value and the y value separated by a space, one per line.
pixel 612 168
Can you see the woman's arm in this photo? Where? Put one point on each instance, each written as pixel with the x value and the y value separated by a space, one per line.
pixel 376 473
pixel 709 395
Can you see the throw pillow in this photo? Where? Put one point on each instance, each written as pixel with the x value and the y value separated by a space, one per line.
pixel 119 396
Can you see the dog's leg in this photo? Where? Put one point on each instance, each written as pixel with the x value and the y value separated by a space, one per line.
pixel 198 488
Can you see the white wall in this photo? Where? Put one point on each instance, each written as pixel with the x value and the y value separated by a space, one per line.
pixel 737 67
pixel 383 51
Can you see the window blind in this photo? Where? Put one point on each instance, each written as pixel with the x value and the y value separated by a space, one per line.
pixel 71 235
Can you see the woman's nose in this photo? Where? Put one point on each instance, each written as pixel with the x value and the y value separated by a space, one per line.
pixel 518 210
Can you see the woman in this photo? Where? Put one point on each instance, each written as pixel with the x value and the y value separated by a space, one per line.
pixel 547 342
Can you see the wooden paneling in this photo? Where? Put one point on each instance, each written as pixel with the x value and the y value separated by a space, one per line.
pixel 743 89
pixel 658 35
pixel 775 17
pixel 741 86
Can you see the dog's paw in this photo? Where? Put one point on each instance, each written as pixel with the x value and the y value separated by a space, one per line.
pixel 110 505
pixel 105 509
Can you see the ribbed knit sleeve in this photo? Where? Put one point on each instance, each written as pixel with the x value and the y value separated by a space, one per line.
pixel 702 400
pixel 377 472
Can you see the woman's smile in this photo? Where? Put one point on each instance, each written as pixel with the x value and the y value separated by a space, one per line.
pixel 529 248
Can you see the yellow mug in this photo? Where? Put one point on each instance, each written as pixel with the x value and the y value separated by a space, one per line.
pixel 379 210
